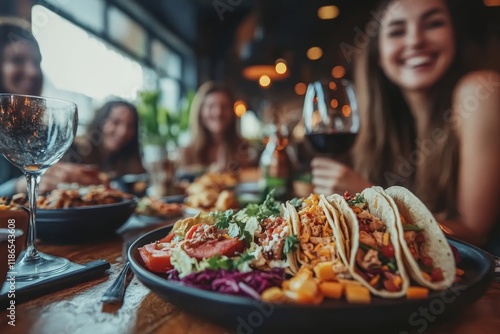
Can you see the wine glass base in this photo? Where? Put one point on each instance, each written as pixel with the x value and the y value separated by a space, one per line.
pixel 42 266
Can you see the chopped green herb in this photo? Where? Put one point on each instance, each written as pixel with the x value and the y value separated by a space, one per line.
pixel 291 244
pixel 222 219
pixel 218 262
pixel 297 202
pixel 392 266
pixel 356 200
pixel 252 209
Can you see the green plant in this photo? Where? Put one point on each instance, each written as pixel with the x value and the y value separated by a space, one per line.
pixel 158 125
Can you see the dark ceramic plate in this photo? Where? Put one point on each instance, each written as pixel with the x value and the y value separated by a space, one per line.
pixel 82 224
pixel 245 315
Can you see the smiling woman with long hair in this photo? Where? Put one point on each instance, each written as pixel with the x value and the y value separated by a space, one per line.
pixel 111 142
pixel 215 142
pixel 20 73
pixel 429 120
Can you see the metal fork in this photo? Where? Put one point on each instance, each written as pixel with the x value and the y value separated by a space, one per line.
pixel 116 291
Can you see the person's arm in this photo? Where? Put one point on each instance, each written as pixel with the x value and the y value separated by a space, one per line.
pixel 477 116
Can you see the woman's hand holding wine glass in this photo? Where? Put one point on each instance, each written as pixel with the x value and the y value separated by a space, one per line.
pixel 331 122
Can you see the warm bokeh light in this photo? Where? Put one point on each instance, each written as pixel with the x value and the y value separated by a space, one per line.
pixel 240 108
pixel 314 53
pixel 332 85
pixel 491 3
pixel 346 110
pixel 280 66
pixel 334 103
pixel 328 12
pixel 300 88
pixel 264 81
pixel 338 72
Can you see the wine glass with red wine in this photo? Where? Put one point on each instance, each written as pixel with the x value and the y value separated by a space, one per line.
pixel 331 118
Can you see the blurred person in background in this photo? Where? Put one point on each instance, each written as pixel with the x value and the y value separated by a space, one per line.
pixel 111 142
pixel 430 121
pixel 20 73
pixel 215 142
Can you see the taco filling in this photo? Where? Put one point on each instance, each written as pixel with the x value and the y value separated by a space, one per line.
pixel 271 237
pixel 415 240
pixel 375 258
pixel 315 234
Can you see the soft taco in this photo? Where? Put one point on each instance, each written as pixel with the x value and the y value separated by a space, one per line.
pixel 426 252
pixel 275 237
pixel 319 239
pixel 375 257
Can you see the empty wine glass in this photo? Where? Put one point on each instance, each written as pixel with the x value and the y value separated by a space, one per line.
pixel 35 132
pixel 330 116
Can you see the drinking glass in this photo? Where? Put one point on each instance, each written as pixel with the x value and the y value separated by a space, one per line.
pixel 330 116
pixel 35 132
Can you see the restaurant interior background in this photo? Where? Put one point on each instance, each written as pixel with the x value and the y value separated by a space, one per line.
pixel 94 49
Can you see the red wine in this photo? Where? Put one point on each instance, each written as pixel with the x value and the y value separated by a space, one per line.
pixel 335 143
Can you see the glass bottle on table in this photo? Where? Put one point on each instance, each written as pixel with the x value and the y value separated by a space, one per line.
pixel 275 165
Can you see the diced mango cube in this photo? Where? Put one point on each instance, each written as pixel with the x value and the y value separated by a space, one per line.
pixel 417 292
pixel 302 298
pixel 324 271
pixel 307 286
pixel 357 294
pixel 331 289
pixel 274 295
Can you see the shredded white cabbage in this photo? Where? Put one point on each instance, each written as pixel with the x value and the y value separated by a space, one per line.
pixel 251 225
pixel 182 262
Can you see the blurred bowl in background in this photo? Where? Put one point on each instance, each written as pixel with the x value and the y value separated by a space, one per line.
pixel 83 224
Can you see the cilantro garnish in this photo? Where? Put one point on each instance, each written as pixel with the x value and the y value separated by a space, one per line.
pixel 222 219
pixel 291 244
pixel 297 202
pixel 358 199
pixel 225 218
pixel 218 262
pixel 270 207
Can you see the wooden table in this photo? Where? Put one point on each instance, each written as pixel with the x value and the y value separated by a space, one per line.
pixel 78 309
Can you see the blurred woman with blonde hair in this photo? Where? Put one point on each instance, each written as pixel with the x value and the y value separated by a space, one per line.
pixel 215 143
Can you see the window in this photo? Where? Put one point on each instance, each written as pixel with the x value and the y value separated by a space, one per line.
pixel 126 32
pixel 87 59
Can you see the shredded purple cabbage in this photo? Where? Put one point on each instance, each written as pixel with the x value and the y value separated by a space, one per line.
pixel 232 282
pixel 456 254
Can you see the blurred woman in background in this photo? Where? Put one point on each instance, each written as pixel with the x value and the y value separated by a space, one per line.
pixel 111 143
pixel 429 121
pixel 215 142
pixel 20 73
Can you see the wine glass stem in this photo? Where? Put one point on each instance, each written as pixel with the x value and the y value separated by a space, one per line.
pixel 33 179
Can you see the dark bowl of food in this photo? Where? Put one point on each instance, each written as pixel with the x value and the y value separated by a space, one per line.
pixel 72 216
pixel 83 224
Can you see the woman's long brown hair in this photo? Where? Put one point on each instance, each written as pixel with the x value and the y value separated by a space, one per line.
pixel 201 137
pixel 387 150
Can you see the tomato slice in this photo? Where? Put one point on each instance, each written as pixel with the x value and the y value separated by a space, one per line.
pixel 156 260
pixel 192 230
pixel 388 251
pixel 227 247
pixel 167 238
